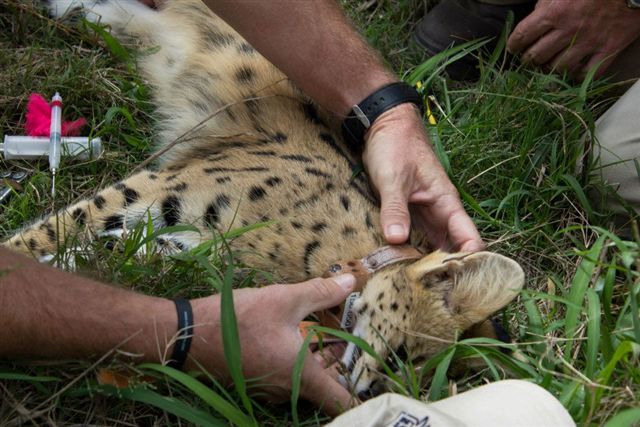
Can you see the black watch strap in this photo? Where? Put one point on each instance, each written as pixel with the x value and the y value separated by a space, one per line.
pixel 366 112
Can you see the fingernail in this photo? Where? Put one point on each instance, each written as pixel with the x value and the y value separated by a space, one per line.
pixel 395 230
pixel 346 281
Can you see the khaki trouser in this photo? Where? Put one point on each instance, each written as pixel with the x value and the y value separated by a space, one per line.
pixel 508 403
pixel 618 130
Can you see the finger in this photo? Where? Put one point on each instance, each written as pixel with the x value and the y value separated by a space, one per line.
pixel 528 31
pixel 319 294
pixel 545 49
pixel 394 213
pixel 423 219
pixel 325 392
pixel 463 234
pixel 571 60
pixel 330 354
pixel 600 60
pixel 335 371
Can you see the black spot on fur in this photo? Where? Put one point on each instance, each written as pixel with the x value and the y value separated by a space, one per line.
pixel 308 251
pixel 348 231
pixel 367 221
pixel 211 216
pixel 32 244
pixel 246 48
pixel 329 186
pixel 280 137
pixel 223 179
pixel 256 193
pixel 179 188
pixel 215 40
pixel 51 234
pixel 254 109
pixel 114 222
pixel 318 227
pixel 130 195
pixel 171 177
pixel 363 309
pixel 311 113
pixel 380 296
pixel 99 201
pixel 223 201
pixel 79 216
pixel 394 306
pixel 296 157
pixel 153 176
pixel 221 169
pixel 216 157
pixel 317 172
pixel 176 167
pixel 309 201
pixel 264 153
pixel 296 224
pixel 344 201
pixel 244 75
pixel 171 210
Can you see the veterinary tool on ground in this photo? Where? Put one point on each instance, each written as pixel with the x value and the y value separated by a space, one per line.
pixel 55 139
pixel 16 147
pixel 8 181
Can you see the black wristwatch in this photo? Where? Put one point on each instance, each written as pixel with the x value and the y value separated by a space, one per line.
pixel 633 4
pixel 364 114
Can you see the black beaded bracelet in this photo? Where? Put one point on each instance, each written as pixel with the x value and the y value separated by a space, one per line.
pixel 366 112
pixel 185 332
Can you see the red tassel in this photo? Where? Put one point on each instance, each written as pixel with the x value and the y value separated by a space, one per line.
pixel 38 119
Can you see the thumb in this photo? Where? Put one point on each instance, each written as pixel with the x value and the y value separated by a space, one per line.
pixel 394 214
pixel 318 294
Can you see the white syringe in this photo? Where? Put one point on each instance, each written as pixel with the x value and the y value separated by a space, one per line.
pixel 55 138
pixel 37 147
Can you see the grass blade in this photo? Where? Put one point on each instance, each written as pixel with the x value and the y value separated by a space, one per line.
pixel 168 404
pixel 296 377
pixel 440 376
pixel 211 398
pixel 14 376
pixel 231 338
pixel 579 286
pixel 628 418
pixel 593 332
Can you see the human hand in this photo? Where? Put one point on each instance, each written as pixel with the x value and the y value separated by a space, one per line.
pixel 574 36
pixel 404 170
pixel 270 340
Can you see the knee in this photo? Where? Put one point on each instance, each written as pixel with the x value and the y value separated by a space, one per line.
pixel 617 147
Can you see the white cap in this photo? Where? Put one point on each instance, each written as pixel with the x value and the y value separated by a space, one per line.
pixel 509 403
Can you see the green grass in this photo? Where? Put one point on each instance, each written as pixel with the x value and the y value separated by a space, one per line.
pixel 514 146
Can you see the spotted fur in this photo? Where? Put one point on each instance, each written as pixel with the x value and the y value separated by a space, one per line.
pixel 251 147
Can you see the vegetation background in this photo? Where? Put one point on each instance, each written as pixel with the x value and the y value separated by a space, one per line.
pixel 516 145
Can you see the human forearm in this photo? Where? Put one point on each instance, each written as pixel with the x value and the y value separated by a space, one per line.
pixel 324 55
pixel 49 313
